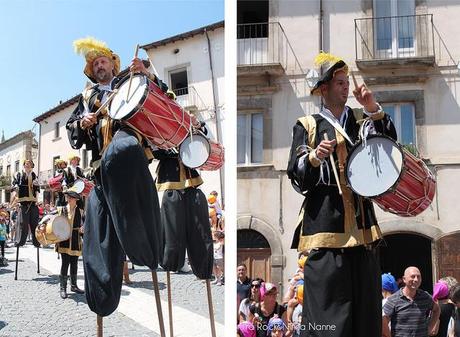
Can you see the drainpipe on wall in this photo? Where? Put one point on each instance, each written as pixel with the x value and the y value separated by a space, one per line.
pixel 222 169
pixel 39 152
pixel 321 15
pixel 320 41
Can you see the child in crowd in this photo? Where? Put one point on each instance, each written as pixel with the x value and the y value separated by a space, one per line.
pixel 218 257
pixel 3 232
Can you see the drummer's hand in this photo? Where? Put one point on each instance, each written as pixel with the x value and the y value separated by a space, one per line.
pixel 82 229
pixel 365 97
pixel 137 66
pixel 325 148
pixel 89 120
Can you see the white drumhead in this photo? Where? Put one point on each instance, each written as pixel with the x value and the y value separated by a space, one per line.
pixel 61 227
pixel 78 186
pixel 194 151
pixel 375 168
pixel 120 107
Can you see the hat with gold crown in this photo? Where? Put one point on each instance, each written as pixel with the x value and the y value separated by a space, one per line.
pixel 59 161
pixel 330 64
pixel 91 49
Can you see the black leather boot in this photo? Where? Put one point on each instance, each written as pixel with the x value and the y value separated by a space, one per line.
pixel 73 285
pixel 63 283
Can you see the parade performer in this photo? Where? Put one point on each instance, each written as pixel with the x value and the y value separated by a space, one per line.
pixel 26 186
pixel 61 166
pixel 185 221
pixel 122 213
pixel 342 276
pixel 184 216
pixel 74 171
pixel 71 249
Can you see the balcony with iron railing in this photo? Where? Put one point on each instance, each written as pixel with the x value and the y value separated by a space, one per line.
pixel 265 48
pixel 189 99
pixel 395 42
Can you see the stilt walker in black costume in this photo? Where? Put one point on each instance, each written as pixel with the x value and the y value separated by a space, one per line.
pixel 26 185
pixel 122 213
pixel 185 221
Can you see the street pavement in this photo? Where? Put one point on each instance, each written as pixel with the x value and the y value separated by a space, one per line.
pixel 31 306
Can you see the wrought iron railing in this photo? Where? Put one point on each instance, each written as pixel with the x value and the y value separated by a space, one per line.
pixel 394 37
pixel 188 97
pixel 266 44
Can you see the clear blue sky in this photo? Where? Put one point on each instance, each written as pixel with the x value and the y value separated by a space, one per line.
pixel 37 59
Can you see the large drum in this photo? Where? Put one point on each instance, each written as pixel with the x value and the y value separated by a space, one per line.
pixel 391 176
pixel 82 186
pixel 151 112
pixel 53 229
pixel 199 152
pixel 55 183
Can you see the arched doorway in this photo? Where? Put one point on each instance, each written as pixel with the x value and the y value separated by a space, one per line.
pixel 255 252
pixel 399 251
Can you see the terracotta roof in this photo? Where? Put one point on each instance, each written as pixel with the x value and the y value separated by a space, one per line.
pixel 16 139
pixel 184 36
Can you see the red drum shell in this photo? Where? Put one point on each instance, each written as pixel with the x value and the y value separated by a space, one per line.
pixel 216 157
pixel 156 116
pixel 412 192
pixel 55 183
pixel 199 152
pixel 86 184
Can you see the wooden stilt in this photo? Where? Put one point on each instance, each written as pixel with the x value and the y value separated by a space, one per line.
pixel 211 309
pixel 17 260
pixel 156 289
pixel 38 260
pixel 168 281
pixel 100 330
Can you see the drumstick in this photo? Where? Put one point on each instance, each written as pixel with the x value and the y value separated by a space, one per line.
pixel 131 76
pixel 334 169
pixel 112 95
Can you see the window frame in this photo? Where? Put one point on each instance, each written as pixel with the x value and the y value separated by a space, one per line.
pixel 248 138
pixel 176 70
pixel 57 133
pixel 397 119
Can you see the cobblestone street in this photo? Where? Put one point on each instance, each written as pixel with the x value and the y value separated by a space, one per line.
pixel 31 306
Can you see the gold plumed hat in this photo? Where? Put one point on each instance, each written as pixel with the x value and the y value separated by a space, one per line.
pixel 72 157
pixel 91 49
pixel 59 161
pixel 330 64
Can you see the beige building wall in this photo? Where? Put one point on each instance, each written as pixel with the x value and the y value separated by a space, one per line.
pixel 52 146
pixel 437 129
pixel 18 151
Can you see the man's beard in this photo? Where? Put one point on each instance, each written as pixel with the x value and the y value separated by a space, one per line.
pixel 102 76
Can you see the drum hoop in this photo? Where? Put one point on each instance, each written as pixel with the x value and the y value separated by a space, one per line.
pixel 208 144
pixel 138 106
pixel 393 187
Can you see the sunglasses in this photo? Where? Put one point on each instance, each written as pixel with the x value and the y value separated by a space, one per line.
pixel 255 285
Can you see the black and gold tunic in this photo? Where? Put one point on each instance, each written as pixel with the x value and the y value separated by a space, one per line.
pixel 328 219
pixel 172 174
pixel 26 189
pixel 72 246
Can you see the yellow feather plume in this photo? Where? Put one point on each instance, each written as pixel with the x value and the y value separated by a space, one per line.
pixel 323 58
pixel 90 44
